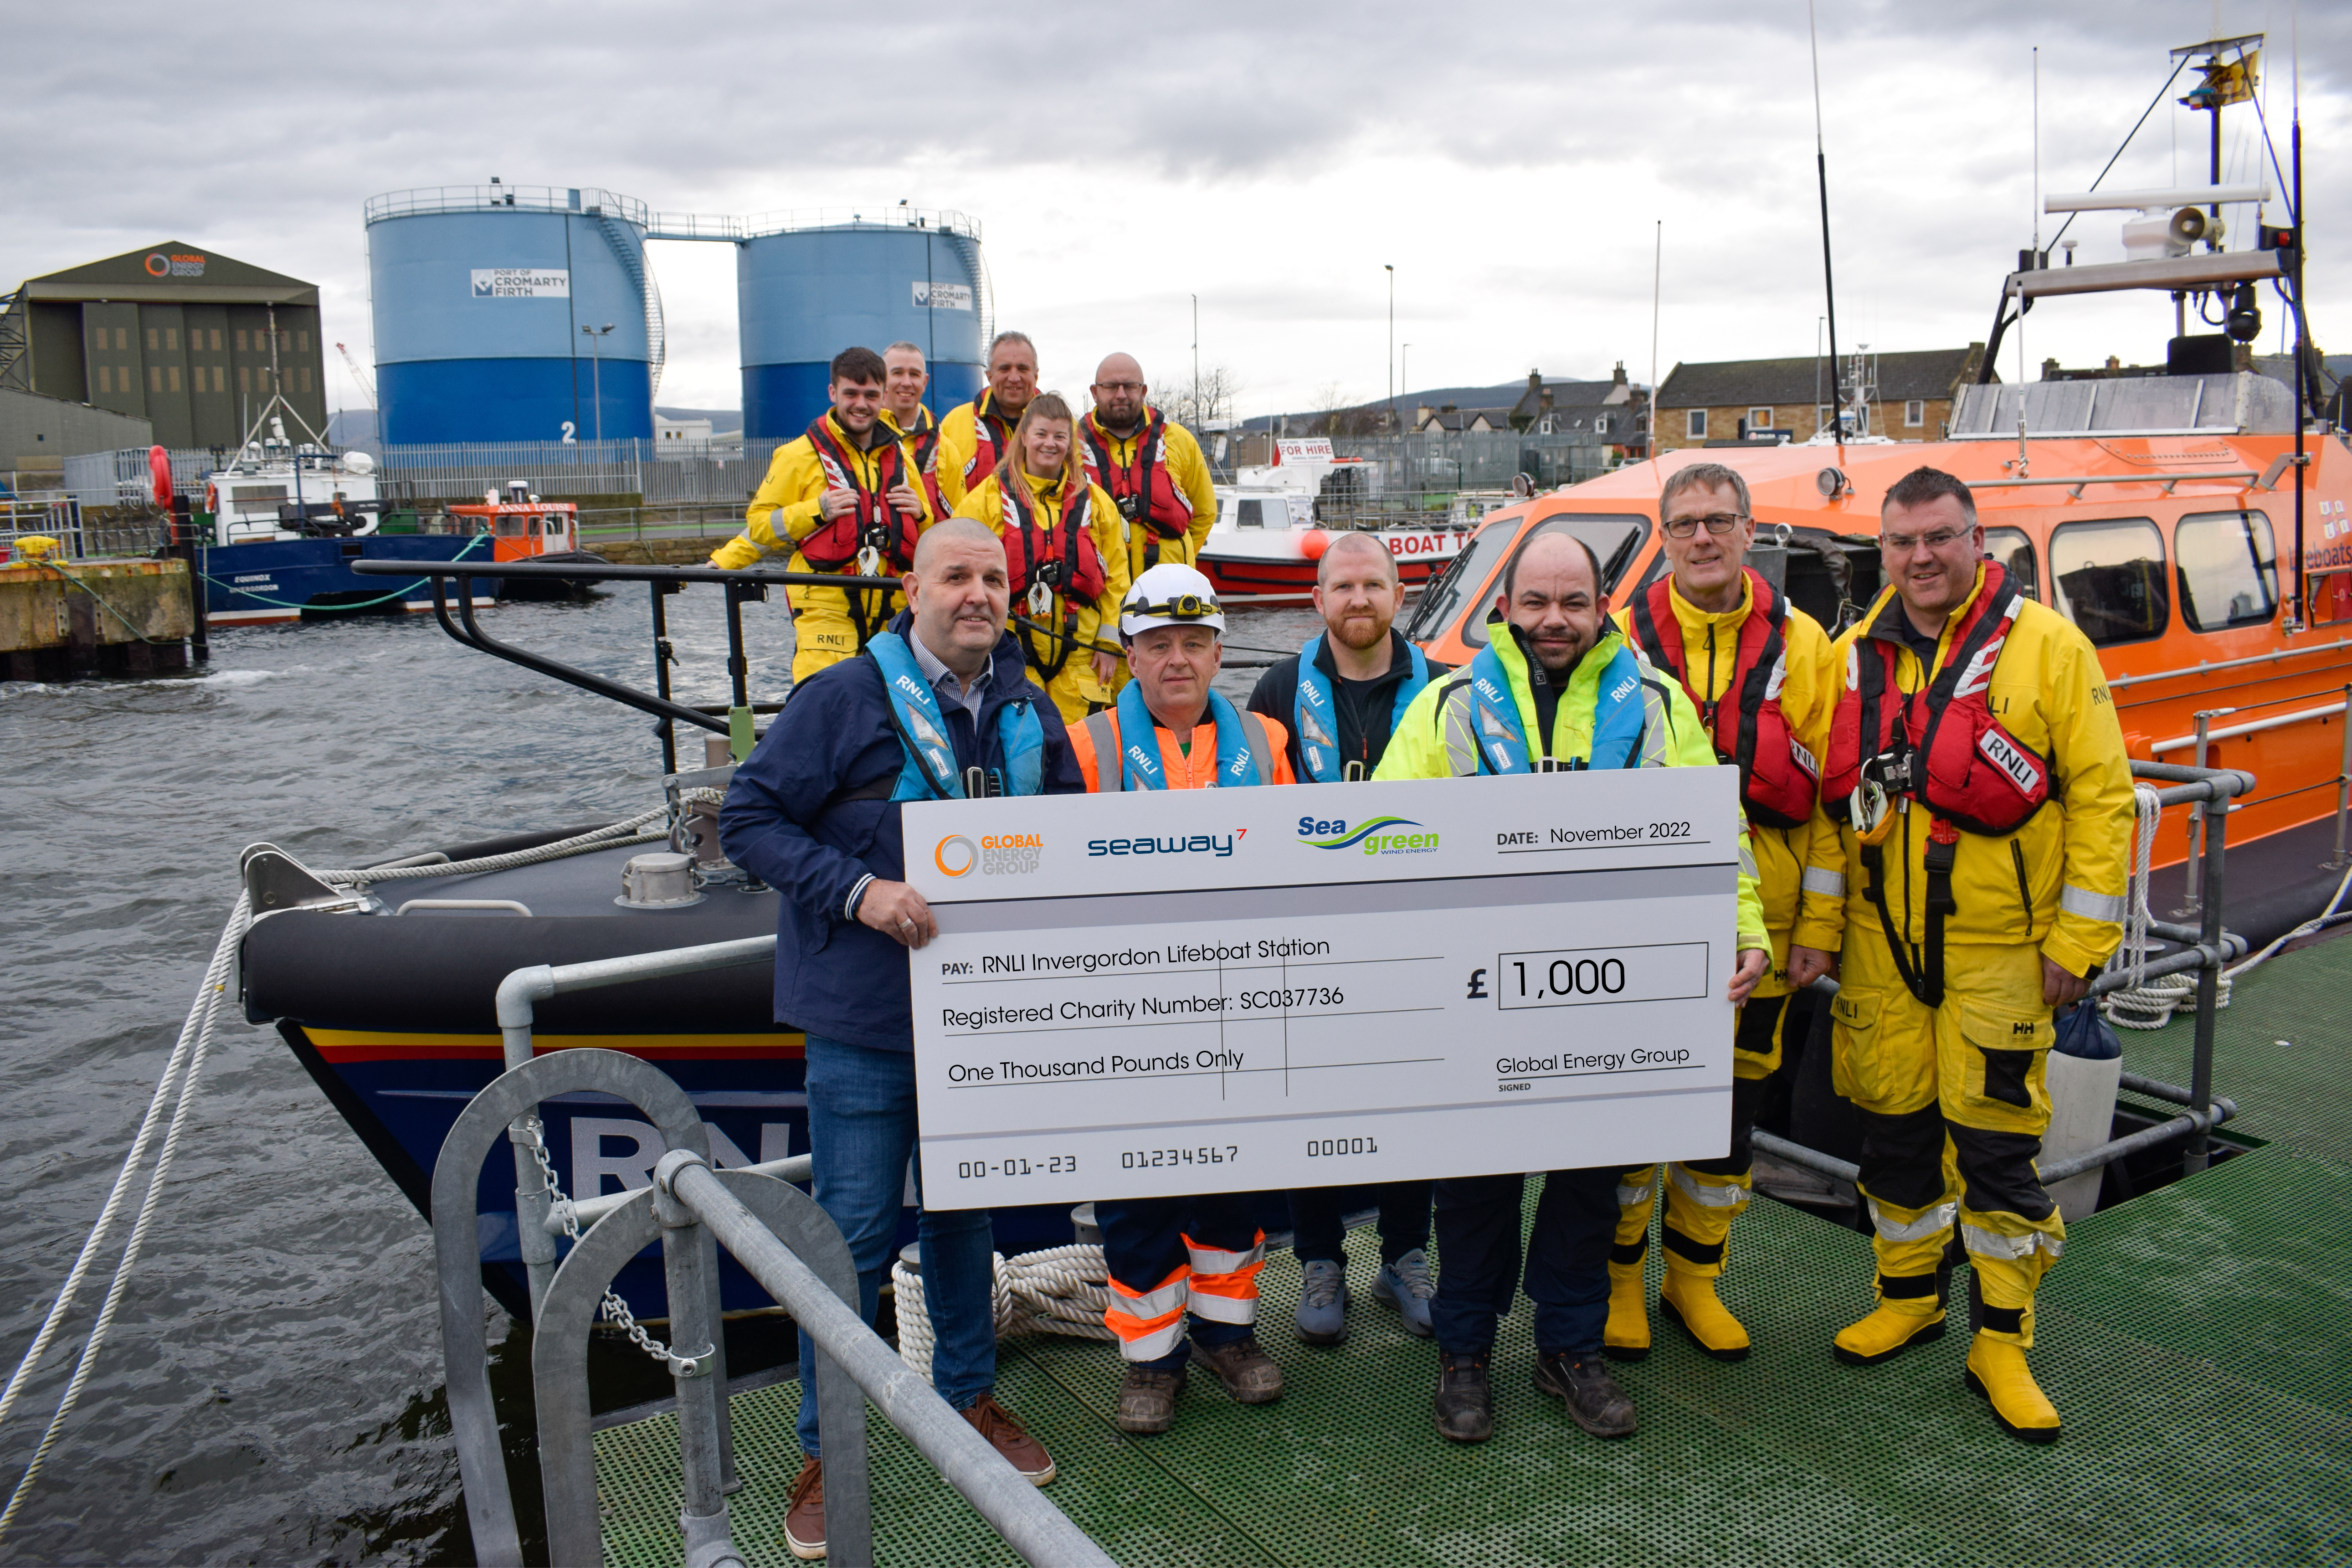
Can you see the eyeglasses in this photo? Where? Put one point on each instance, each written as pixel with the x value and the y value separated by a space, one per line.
pixel 1718 523
pixel 1122 387
pixel 1904 544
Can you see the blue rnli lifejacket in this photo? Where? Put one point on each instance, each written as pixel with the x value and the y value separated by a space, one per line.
pixel 1139 746
pixel 1502 742
pixel 1317 719
pixel 930 771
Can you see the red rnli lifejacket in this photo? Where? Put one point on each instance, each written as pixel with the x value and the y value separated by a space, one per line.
pixel 834 547
pixel 1965 767
pixel 1144 490
pixel 992 435
pixel 1778 779
pixel 923 444
pixel 1061 555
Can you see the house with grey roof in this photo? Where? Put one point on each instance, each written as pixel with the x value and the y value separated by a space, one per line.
pixel 1725 400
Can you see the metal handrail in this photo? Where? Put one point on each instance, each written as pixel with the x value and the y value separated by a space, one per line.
pixel 2251 727
pixel 2228 664
pixel 2207 949
pixel 2075 482
pixel 690 1209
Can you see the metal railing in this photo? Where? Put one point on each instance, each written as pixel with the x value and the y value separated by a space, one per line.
pixel 657 471
pixel 525 198
pixel 785 220
pixel 778 1235
pixel 2205 948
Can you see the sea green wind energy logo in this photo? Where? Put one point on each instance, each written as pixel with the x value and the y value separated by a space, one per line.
pixel 1377 837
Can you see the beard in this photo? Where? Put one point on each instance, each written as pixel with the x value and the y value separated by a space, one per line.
pixel 1361 634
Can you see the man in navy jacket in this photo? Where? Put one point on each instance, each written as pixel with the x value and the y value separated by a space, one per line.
pixel 814 812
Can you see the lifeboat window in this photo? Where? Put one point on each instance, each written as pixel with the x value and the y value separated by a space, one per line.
pixel 534 525
pixel 2227 568
pixel 507 528
pixel 2013 548
pixel 1442 602
pixel 2110 579
pixel 1615 538
pixel 1249 514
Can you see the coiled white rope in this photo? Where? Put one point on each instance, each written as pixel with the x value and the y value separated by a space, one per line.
pixel 2146 1004
pixel 1056 1290
pixel 186 1065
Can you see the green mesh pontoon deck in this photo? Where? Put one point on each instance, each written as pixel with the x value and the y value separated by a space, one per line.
pixel 2197 1340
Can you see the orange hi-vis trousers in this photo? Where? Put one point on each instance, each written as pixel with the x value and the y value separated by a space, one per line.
pixel 1171 1259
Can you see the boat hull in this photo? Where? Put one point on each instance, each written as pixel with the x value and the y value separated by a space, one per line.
pixel 1277 564
pixel 281 580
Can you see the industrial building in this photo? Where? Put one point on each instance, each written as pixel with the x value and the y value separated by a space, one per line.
pixel 532 314
pixel 191 341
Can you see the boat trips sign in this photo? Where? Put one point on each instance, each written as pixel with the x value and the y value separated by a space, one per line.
pixel 1154 994
pixel 523 283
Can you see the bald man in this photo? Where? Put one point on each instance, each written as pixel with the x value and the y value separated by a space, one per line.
pixel 815 811
pixel 1579 697
pixel 1150 466
pixel 1339 697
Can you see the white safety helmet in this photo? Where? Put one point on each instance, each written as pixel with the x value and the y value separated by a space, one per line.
pixel 1170 594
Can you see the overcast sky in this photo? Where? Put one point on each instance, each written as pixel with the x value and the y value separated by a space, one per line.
pixel 1512 162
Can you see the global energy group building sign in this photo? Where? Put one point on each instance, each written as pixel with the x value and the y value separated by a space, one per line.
pixel 523 283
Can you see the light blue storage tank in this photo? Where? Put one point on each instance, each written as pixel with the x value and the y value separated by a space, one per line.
pixel 808 286
pixel 480 293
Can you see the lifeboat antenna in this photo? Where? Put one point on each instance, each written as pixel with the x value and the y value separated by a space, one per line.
pixel 1821 167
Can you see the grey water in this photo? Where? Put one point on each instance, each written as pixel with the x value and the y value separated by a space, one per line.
pixel 269 1390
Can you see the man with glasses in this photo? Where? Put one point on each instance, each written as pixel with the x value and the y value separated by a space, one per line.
pixel 1979 815
pixel 1761 675
pixel 1150 466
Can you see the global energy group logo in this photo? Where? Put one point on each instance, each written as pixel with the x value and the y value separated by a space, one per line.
pixel 1377 837
pixel 996 854
pixel 174 264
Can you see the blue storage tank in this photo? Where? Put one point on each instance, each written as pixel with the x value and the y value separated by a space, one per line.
pixel 480 293
pixel 808 286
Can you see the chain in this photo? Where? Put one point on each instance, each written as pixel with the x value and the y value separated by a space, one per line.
pixel 615 1310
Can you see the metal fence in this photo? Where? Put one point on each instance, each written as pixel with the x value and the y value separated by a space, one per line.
pixel 1485 459
pixel 657 472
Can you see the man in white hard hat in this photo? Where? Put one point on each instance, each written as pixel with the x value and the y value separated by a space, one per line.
pixel 1177 1258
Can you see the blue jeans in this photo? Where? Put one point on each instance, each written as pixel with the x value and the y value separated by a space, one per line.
pixel 861 1107
pixel 1567 1260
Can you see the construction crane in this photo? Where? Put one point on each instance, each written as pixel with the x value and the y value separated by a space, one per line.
pixel 357 373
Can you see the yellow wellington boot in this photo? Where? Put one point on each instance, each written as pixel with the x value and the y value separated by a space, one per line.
pixel 1887 1332
pixel 1627 1335
pixel 1996 1371
pixel 1689 1300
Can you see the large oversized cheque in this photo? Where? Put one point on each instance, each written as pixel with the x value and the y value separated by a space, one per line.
pixel 1227 990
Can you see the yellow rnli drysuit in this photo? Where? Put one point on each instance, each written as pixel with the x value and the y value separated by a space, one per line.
pixel 1062 665
pixel 973 437
pixel 1952 1098
pixel 1703 1196
pixel 788 508
pixel 1186 483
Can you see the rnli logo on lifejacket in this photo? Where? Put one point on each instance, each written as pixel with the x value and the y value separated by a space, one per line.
pixel 1804 759
pixel 2010 760
pixel 1625 689
pixel 1978 674
pixel 996 855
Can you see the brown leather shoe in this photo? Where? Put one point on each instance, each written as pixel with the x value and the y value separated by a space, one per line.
pixel 1008 1437
pixel 1248 1374
pixel 805 1519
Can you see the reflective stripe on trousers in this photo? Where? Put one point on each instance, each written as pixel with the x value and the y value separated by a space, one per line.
pixel 1150 1323
pixel 1224 1284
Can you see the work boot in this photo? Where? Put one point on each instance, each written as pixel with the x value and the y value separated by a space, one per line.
pixel 1406 1286
pixel 1248 1374
pixel 1465 1400
pixel 1322 1315
pixel 1996 1371
pixel 1887 1332
pixel 804 1516
pixel 1147 1400
pixel 1627 1336
pixel 1689 1300
pixel 1010 1438
pixel 1594 1401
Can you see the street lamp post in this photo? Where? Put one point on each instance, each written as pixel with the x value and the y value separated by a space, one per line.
pixel 1392 272
pixel 1198 417
pixel 1404 375
pixel 595 336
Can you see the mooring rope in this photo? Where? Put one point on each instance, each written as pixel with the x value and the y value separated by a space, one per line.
pixel 186 1065
pixel 1057 1290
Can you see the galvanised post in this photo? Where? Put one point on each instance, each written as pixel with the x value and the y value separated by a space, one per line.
pixel 690 1269
pixel 2215 812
